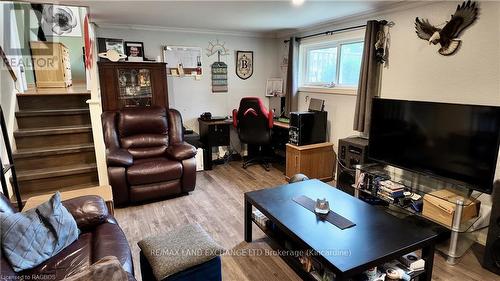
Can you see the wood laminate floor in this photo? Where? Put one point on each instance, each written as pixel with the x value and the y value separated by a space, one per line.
pixel 217 205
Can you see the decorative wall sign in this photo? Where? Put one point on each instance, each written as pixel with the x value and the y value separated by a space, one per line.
pixel 217 47
pixel 219 77
pixel 244 64
pixel 465 15
pixel 61 21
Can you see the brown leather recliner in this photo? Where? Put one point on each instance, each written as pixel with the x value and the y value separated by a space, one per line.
pixel 100 237
pixel 146 155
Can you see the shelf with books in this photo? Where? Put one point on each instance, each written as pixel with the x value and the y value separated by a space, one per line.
pixel 306 264
pixel 408 192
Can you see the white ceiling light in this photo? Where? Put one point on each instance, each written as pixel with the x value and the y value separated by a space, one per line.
pixel 298 2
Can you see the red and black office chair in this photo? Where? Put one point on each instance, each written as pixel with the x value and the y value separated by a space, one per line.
pixel 254 124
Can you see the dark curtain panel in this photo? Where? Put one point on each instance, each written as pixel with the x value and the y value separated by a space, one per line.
pixel 292 95
pixel 369 79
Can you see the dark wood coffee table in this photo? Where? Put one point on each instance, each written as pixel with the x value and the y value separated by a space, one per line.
pixel 376 238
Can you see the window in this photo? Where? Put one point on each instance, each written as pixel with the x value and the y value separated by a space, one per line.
pixel 332 62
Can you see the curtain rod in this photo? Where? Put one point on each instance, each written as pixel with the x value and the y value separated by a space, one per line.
pixel 330 32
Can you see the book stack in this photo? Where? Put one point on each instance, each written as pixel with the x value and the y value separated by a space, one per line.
pixel 390 191
pixel 260 218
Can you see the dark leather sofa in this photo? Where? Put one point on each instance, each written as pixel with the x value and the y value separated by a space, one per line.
pixel 100 237
pixel 146 155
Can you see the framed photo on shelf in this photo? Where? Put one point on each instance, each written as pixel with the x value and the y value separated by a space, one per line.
pixel 105 44
pixel 134 51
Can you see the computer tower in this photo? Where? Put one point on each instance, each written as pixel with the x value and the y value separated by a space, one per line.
pixel 307 127
pixel 491 259
pixel 352 151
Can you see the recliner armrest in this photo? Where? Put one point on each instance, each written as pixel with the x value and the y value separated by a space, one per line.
pixel 88 211
pixel 181 151
pixel 119 157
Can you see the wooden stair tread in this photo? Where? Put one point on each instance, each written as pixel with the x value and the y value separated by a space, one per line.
pixel 52 112
pixel 52 130
pixel 26 195
pixel 51 150
pixel 55 172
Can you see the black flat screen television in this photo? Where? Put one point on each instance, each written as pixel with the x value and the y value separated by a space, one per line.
pixel 453 141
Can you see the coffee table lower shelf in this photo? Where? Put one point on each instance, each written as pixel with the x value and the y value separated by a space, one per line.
pixel 294 263
pixel 290 260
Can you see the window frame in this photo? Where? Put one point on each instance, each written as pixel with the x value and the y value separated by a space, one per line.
pixel 321 86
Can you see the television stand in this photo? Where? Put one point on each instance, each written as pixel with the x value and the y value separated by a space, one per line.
pixel 459 229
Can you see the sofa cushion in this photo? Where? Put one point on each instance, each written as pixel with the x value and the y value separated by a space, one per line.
pixel 88 211
pixel 105 239
pixel 31 237
pixel 153 170
pixel 178 250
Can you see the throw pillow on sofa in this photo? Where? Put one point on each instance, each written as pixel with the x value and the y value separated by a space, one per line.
pixel 30 238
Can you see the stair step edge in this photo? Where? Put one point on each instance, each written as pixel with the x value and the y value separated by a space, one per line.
pixel 52 131
pixel 55 172
pixel 51 112
pixel 26 195
pixel 49 151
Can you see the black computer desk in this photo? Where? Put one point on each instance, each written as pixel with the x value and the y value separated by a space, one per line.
pixel 217 133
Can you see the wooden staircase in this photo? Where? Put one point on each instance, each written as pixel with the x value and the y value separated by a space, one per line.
pixel 55 150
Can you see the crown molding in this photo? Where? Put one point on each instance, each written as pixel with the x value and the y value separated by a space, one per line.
pixel 187 30
pixel 359 17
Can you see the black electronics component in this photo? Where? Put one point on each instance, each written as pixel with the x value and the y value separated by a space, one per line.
pixel 352 151
pixel 307 127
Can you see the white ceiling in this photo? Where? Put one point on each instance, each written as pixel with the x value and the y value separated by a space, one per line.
pixel 237 15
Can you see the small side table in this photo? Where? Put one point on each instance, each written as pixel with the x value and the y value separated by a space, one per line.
pixel 103 191
pixel 213 133
pixel 316 161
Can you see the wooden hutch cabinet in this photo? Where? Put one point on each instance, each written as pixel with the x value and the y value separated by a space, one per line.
pixel 132 84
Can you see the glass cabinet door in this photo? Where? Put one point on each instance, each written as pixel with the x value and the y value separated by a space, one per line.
pixel 134 86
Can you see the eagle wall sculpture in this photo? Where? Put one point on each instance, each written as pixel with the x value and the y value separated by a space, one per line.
pixel 465 15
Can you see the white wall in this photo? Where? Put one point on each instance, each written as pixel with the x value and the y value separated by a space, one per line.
pixel 417 72
pixel 8 90
pixel 192 97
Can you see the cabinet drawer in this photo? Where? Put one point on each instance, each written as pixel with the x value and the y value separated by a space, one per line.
pixel 218 135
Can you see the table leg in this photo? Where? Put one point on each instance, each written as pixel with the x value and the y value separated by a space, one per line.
pixel 248 221
pixel 207 157
pixel 428 256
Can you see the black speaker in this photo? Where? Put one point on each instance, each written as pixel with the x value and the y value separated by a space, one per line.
pixel 352 151
pixel 491 259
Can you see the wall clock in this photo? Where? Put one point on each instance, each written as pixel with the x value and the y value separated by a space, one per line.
pixel 244 64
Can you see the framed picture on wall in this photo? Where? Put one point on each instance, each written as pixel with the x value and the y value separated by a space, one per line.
pixel 274 87
pixel 134 51
pixel 61 21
